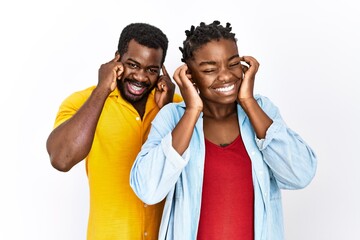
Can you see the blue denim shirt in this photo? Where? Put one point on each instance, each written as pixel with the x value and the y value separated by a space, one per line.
pixel 280 161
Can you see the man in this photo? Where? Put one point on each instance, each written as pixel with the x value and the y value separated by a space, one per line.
pixel 107 124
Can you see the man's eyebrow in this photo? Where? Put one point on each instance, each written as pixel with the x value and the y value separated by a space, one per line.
pixel 132 60
pixel 153 66
pixel 136 62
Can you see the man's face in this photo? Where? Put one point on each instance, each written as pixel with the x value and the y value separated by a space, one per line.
pixel 141 71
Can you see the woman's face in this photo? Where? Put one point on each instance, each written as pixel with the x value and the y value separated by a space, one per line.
pixel 216 71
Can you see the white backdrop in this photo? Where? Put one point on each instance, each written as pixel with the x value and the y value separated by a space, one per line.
pixel 309 55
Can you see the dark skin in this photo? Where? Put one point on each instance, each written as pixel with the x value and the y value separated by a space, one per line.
pixel 70 143
pixel 217 72
pixel 144 67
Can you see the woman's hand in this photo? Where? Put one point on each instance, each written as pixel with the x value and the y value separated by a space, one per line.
pixel 246 90
pixel 187 88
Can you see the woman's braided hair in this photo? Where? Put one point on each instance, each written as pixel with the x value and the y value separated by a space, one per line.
pixel 202 34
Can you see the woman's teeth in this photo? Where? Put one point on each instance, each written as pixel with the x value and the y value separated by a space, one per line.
pixel 225 89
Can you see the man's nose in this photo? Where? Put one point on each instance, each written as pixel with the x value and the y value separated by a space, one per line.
pixel 140 75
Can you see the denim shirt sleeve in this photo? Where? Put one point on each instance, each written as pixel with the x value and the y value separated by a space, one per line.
pixel 158 165
pixel 289 157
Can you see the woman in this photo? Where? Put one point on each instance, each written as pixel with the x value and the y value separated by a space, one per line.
pixel 220 157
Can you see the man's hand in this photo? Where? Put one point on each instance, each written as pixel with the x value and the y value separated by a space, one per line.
pixel 165 89
pixel 109 73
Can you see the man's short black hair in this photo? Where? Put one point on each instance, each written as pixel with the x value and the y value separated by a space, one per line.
pixel 144 34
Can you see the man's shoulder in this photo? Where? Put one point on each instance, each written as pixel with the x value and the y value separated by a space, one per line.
pixel 177 98
pixel 84 93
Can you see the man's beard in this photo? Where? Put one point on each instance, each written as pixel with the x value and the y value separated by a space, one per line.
pixel 131 98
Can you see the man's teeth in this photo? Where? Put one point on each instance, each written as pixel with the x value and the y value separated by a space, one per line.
pixel 225 89
pixel 136 88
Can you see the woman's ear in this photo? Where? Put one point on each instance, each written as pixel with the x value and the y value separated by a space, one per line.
pixel 188 73
pixel 188 70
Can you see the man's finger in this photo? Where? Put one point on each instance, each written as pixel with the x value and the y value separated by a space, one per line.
pixel 165 73
pixel 116 58
pixel 162 87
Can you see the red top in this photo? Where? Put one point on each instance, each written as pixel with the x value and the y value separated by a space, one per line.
pixel 227 208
